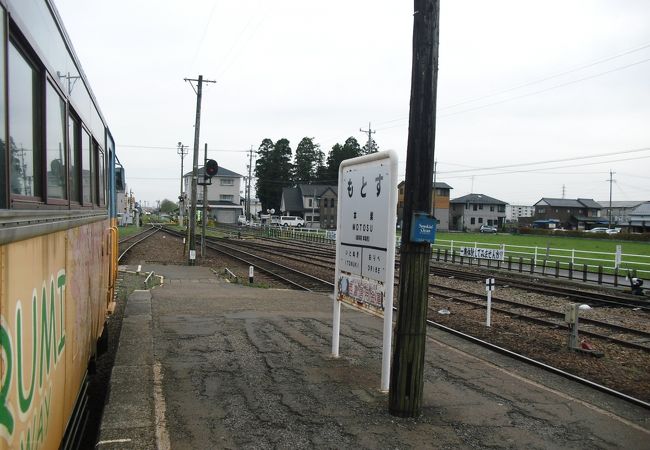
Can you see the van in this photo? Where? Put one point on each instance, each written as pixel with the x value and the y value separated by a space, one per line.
pixel 292 221
pixel 275 220
pixel 241 220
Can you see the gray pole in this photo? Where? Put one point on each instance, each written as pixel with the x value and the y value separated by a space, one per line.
pixel 204 216
pixel 248 184
pixel 181 200
pixel 609 213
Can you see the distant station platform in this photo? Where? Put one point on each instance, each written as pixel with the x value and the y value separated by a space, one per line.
pixel 203 363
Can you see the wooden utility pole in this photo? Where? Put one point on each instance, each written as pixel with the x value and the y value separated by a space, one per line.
pixel 407 371
pixel 195 169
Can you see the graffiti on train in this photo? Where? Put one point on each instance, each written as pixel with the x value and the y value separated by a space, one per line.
pixel 31 347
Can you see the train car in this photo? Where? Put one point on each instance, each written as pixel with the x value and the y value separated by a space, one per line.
pixel 58 230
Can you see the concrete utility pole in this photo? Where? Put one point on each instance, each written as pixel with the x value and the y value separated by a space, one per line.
pixel 182 151
pixel 609 212
pixel 248 184
pixel 407 370
pixel 370 133
pixel 204 214
pixel 195 168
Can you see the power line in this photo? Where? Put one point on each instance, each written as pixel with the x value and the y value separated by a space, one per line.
pixel 530 83
pixel 153 147
pixel 575 158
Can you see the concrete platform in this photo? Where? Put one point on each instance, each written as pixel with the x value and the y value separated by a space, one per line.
pixel 206 364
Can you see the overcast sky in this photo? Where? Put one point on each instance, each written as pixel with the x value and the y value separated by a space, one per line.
pixel 520 82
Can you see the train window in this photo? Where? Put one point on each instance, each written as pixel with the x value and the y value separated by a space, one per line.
pixel 86 164
pixel 102 178
pixel 75 158
pixel 55 144
pixel 25 158
pixel 98 174
pixel 3 116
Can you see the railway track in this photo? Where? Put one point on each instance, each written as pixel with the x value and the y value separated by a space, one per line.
pixel 290 275
pixel 625 336
pixel 126 244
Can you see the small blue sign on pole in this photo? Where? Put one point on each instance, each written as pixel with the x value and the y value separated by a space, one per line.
pixel 423 227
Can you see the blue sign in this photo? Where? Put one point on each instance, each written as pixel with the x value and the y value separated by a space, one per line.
pixel 423 228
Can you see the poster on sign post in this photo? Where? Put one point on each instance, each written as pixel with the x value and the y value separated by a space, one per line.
pixel 365 243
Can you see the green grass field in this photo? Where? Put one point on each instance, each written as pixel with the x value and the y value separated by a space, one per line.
pixel 635 255
pixel 585 244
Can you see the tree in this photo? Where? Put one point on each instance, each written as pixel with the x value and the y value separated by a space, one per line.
pixel 306 163
pixel 273 170
pixel 167 206
pixel 370 147
pixel 339 153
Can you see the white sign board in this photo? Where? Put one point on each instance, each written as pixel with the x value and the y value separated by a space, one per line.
pixel 365 254
pixel 482 253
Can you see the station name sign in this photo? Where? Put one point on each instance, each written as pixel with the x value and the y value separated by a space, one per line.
pixel 482 253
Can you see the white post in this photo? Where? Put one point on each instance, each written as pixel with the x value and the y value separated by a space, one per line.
pixel 489 287
pixel 250 274
pixel 336 325
pixel 489 308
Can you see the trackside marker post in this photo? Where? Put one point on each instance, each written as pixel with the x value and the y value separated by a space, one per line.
pixel 489 287
pixel 250 274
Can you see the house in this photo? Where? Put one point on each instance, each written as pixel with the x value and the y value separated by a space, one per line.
pixel 620 210
pixel 471 211
pixel 222 195
pixel 439 204
pixel 515 212
pixel 303 201
pixel 639 218
pixel 580 213
pixel 328 208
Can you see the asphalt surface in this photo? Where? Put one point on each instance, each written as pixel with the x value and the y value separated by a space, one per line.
pixel 206 364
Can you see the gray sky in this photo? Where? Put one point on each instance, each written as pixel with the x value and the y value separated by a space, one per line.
pixel 520 82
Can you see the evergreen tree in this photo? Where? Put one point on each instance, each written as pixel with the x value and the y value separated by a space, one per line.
pixel 306 164
pixel 370 147
pixel 339 153
pixel 273 170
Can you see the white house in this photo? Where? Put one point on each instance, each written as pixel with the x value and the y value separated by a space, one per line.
pixel 222 195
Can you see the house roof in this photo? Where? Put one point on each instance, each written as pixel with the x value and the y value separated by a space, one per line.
pixel 642 210
pixel 437 185
pixel 292 199
pixel 621 203
pixel 569 203
pixel 222 172
pixel 334 189
pixel 311 190
pixel 478 198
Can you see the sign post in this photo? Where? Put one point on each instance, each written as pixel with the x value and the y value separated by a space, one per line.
pixel 365 244
pixel 489 287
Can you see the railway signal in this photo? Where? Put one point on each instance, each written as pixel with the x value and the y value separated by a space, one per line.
pixel 211 168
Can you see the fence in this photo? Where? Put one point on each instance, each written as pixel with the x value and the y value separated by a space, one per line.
pixel 561 262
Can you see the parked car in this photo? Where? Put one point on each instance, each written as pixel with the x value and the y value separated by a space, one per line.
pixel 488 229
pixel 292 221
pixel 598 230
pixel 613 231
pixel 241 220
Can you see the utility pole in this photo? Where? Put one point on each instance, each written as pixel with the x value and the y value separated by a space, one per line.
pixel 563 190
pixel 248 184
pixel 611 180
pixel 407 369
pixel 182 151
pixel 370 133
pixel 195 167
pixel 204 214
